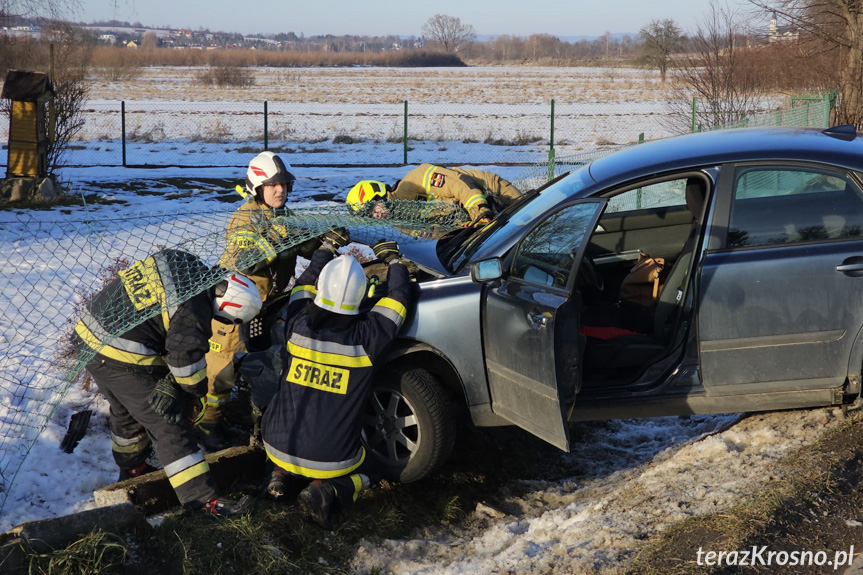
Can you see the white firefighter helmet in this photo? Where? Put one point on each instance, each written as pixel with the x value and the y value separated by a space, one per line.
pixel 237 300
pixel 268 168
pixel 341 286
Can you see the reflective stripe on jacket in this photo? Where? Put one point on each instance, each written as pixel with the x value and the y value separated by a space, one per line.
pixel 246 240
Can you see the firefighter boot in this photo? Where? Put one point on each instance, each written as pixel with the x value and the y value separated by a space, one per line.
pixel 318 502
pixel 136 471
pixel 277 487
pixel 223 507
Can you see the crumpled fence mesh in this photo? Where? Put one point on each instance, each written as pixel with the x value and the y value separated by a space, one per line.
pixel 53 268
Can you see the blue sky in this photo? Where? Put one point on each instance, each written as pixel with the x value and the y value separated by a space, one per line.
pixel 404 17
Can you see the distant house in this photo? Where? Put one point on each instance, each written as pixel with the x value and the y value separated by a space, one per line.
pixel 132 44
pixel 781 33
pixel 418 44
pixel 108 38
pixel 28 31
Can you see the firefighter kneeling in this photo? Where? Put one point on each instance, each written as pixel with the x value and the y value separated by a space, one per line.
pixel 149 371
pixel 311 428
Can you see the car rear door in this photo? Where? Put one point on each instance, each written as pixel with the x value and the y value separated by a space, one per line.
pixel 780 295
pixel 530 324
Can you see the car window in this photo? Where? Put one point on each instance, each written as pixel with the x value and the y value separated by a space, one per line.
pixel 773 205
pixel 488 239
pixel 546 254
pixel 663 194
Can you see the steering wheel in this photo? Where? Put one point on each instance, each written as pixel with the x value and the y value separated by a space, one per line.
pixel 589 273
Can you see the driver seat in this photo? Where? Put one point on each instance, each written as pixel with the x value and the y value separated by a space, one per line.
pixel 629 351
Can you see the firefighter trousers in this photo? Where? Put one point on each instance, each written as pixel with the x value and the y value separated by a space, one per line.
pixel 221 375
pixel 348 487
pixel 134 425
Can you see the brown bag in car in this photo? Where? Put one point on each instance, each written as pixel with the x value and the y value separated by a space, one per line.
pixel 641 284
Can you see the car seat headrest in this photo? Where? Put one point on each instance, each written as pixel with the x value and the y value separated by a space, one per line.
pixel 695 195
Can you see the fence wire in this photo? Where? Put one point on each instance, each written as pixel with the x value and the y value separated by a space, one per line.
pixel 53 268
pixel 216 133
pixel 813 114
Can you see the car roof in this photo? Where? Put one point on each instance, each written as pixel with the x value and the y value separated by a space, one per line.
pixel 734 145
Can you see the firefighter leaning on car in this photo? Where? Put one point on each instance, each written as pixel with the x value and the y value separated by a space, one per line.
pixel 150 371
pixel 268 182
pixel 482 194
pixel 312 426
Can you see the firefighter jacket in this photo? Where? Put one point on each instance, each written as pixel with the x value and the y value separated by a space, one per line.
pixel 251 237
pixel 165 332
pixel 312 426
pixel 467 188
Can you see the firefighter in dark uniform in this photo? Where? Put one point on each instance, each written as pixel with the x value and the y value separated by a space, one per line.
pixel 311 428
pixel 148 372
pixel 482 194
pixel 268 182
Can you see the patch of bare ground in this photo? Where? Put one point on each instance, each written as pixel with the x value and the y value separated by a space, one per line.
pixel 817 507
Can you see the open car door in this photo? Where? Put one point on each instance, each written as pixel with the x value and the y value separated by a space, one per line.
pixel 530 324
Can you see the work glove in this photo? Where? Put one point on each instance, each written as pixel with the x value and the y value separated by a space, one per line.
pixel 335 238
pixel 386 251
pixel 483 219
pixel 167 400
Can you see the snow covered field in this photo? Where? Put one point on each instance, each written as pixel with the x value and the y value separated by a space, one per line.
pixel 319 116
pixel 638 477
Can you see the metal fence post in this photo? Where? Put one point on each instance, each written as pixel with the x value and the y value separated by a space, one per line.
pixel 123 129
pixel 405 139
pixel 551 146
pixel 266 131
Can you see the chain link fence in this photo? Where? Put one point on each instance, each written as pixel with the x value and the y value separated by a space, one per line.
pixel 203 134
pixel 55 267
pixel 157 133
pixel 805 112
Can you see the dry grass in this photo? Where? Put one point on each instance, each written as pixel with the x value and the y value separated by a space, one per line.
pixel 419 86
pixel 108 56
pixel 770 517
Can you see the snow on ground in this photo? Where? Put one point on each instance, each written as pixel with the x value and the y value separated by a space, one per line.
pixel 641 477
pixel 505 112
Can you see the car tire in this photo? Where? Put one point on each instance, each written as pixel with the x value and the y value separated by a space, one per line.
pixel 408 425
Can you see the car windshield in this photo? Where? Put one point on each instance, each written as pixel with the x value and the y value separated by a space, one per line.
pixel 459 248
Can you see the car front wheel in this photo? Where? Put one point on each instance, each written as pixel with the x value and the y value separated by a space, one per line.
pixel 407 424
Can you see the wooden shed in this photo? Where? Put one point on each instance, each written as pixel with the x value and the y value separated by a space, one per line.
pixel 28 123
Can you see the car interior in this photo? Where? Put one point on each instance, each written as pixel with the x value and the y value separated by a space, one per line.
pixel 661 220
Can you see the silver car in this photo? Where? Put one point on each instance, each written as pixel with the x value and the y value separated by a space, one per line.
pixel 521 322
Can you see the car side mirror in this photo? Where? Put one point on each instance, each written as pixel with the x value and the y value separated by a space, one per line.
pixel 486 270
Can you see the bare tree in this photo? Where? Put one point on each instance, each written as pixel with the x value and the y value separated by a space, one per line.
pixel 720 71
pixel 660 39
pixel 69 64
pixel 51 9
pixel 836 25
pixel 448 31
pixel 149 40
